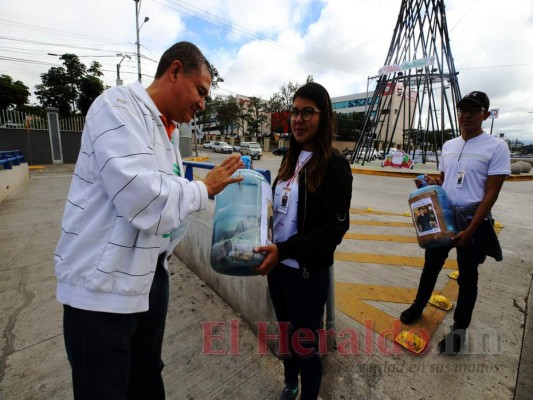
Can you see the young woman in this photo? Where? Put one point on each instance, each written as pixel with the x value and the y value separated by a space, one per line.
pixel 312 195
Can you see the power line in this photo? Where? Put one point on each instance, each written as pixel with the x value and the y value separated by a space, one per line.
pixel 222 23
pixel 22 60
pixel 56 44
pixel 464 15
pixel 60 32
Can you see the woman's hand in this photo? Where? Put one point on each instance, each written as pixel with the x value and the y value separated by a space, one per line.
pixel 270 261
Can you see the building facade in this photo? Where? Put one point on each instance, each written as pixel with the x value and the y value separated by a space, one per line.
pixel 396 114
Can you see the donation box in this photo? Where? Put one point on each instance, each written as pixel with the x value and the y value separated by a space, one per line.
pixel 432 216
pixel 242 221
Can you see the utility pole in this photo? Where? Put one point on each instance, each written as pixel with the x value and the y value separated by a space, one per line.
pixel 119 81
pixel 138 43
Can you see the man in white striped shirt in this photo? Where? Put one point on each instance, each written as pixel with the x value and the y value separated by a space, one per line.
pixel 127 208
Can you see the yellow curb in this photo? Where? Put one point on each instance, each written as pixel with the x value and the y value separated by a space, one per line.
pixel 413 173
pixel 196 159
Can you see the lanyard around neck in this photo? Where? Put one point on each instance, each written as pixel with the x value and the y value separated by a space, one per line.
pixel 298 169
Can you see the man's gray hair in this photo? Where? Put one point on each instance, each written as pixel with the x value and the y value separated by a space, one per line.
pixel 188 54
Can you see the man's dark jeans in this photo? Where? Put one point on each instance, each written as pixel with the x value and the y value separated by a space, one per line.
pixel 468 259
pixel 118 356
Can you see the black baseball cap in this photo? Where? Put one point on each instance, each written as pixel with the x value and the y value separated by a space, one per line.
pixel 477 98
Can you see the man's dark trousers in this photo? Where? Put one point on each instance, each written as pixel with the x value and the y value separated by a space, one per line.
pixel 118 356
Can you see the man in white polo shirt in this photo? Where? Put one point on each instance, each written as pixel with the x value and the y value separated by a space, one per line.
pixel 473 168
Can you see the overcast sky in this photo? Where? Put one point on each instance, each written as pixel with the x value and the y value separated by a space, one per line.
pixel 258 46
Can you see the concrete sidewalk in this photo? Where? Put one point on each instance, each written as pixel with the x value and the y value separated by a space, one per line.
pixel 33 363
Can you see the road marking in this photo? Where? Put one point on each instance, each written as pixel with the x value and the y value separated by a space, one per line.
pixel 381 238
pixel 352 297
pixel 381 223
pixel 371 211
pixel 403 261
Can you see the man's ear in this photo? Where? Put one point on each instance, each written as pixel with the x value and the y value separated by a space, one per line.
pixel 175 68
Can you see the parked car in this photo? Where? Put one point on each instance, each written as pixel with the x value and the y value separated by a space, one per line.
pixel 209 145
pixel 222 147
pixel 280 151
pixel 347 153
pixel 237 148
pixel 253 149
pixel 370 155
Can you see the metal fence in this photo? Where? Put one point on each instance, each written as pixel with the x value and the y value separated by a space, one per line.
pixel 18 120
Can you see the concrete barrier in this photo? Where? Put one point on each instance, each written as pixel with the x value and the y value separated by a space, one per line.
pixel 11 179
pixel 247 295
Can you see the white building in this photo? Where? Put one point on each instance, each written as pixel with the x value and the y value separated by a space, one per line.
pixel 395 109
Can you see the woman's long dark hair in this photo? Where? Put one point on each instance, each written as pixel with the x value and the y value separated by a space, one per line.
pixel 323 139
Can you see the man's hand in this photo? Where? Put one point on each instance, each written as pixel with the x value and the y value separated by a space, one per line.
pixel 428 179
pixel 462 238
pixel 220 176
pixel 270 261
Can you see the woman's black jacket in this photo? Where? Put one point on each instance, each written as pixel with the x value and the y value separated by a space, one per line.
pixel 323 217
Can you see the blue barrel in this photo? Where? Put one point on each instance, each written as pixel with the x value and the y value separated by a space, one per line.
pixel 432 215
pixel 241 222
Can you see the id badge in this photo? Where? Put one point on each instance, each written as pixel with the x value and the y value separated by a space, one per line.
pixel 284 202
pixel 460 179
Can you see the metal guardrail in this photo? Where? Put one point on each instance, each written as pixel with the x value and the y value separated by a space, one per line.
pixel 10 158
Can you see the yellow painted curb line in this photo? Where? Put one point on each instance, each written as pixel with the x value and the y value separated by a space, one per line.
pixel 196 159
pixel 381 223
pixel 371 211
pixel 392 173
pixel 381 238
pixel 402 261
pixel 351 300
pixel 414 173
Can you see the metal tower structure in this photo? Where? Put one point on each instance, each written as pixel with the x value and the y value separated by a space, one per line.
pixel 413 105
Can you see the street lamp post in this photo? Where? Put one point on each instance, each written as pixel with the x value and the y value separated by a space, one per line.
pixel 367 85
pixel 119 81
pixel 146 19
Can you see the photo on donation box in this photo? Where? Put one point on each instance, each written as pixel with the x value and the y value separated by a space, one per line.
pixel 424 217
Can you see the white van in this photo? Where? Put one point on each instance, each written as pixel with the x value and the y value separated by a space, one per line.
pixel 253 149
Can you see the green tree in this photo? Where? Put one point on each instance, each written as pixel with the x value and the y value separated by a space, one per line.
pixel 12 93
pixel 281 102
pixel 206 117
pixel 70 88
pixel 90 87
pixel 242 118
pixel 216 77
pixel 255 116
pixel 349 125
pixel 56 90
pixel 227 115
